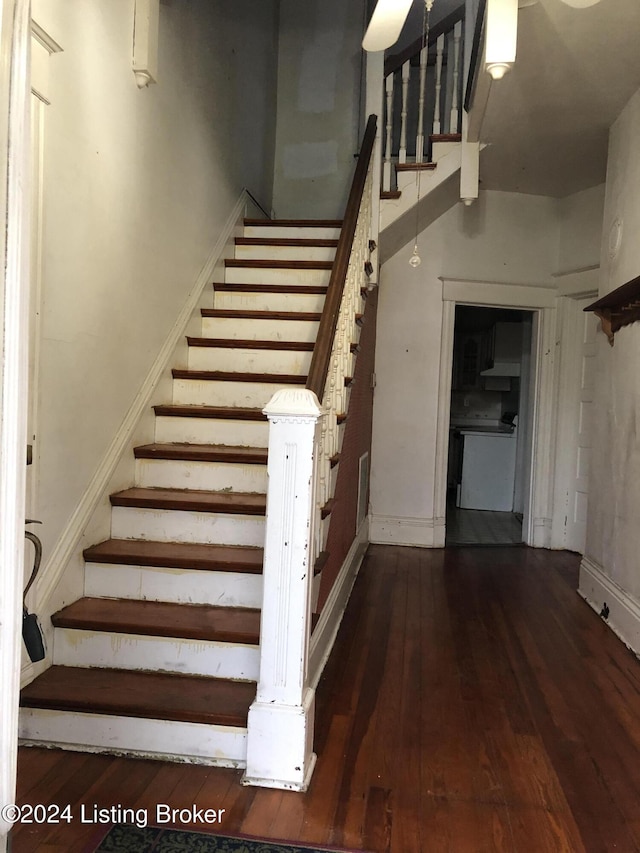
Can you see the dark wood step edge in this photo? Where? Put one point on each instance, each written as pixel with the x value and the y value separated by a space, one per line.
pixel 202 453
pixel 261 264
pixel 234 314
pixel 228 376
pixel 244 343
pixel 223 412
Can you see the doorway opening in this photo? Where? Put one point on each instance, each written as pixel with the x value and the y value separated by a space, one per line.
pixel 490 426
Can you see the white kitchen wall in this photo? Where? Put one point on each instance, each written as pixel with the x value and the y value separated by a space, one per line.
pixel 137 188
pixel 505 237
pixel 319 102
pixel 613 533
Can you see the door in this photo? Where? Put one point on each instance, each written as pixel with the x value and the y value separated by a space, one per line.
pixel 575 423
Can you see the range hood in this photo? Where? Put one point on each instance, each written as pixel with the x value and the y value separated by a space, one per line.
pixel 503 368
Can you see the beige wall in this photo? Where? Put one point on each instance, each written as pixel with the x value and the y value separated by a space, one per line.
pixel 509 238
pixel 319 122
pixel 613 533
pixel 137 188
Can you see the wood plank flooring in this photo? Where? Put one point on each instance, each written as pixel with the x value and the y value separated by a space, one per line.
pixel 473 703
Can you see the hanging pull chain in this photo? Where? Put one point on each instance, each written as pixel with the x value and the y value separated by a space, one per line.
pixel 415 260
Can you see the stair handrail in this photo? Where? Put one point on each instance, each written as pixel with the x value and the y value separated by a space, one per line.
pixel 476 55
pixel 321 357
pixel 395 61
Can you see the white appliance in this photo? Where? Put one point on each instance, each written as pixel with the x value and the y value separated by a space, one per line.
pixel 488 470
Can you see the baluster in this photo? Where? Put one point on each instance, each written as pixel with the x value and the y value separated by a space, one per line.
pixel 457 34
pixel 406 71
pixel 386 172
pixel 437 124
pixel 424 55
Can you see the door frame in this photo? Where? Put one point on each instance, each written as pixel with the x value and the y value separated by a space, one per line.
pixel 541 301
pixel 15 236
pixel 569 378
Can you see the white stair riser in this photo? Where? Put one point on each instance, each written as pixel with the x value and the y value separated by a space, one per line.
pixel 292 232
pixel 276 275
pixel 249 360
pixel 212 476
pixel 214 392
pixel 163 525
pixel 178 586
pixel 212 431
pixel 161 654
pixel 223 746
pixel 440 149
pixel 259 330
pixel 285 253
pixel 253 301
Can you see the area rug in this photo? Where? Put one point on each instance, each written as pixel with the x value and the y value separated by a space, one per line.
pixel 127 838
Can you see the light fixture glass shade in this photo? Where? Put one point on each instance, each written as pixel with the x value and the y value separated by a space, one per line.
pixel 581 4
pixel 386 24
pixel 501 32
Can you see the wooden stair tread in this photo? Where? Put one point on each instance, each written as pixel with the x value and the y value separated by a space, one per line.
pixel 177 555
pixel 250 263
pixel 233 314
pixel 296 223
pixel 203 453
pixel 415 167
pixel 328 508
pixel 183 698
pixel 293 289
pixel 236 413
pixel 303 242
pixel 161 619
pixel 238 343
pixel 230 376
pixel 191 500
pixel 446 137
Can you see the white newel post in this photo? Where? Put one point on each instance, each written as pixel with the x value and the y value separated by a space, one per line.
pixel 280 726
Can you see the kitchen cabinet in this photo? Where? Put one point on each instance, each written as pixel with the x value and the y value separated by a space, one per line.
pixel 502 350
pixel 468 358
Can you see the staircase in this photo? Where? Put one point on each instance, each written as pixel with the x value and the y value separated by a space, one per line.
pixel 160 657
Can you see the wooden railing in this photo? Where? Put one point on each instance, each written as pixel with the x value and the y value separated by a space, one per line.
pixel 332 360
pixel 476 55
pixel 322 351
pixel 303 438
pixel 423 94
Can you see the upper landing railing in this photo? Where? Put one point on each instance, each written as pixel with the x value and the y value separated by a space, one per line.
pixel 423 94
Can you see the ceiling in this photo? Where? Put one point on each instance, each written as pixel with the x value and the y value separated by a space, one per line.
pixel 547 120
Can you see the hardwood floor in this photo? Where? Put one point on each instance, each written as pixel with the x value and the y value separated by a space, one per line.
pixel 473 702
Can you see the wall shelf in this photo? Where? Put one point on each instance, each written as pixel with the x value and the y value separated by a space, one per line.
pixel 619 308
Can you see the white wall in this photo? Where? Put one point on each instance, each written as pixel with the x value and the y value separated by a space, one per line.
pixel 613 533
pixel 137 187
pixel 506 237
pixel 319 122
pixel 580 223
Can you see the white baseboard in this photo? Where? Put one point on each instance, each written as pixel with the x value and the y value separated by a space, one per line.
pixel 624 610
pixel 414 532
pixel 326 630
pixel 70 540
